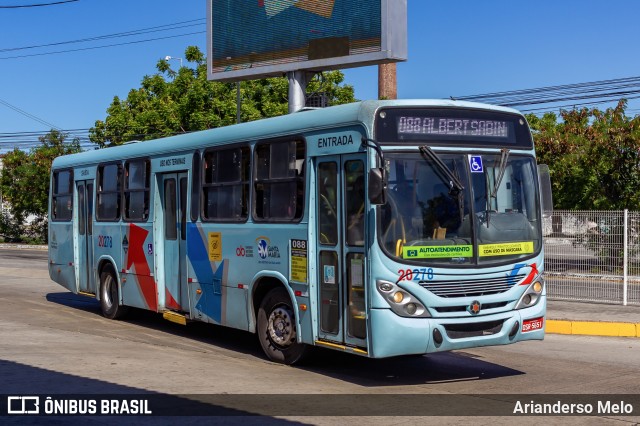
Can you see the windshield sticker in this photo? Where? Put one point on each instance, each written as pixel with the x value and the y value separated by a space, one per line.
pixel 435 252
pixel 506 249
pixel 475 162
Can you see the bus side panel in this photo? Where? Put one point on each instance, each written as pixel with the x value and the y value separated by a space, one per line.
pixel 107 243
pixel 207 271
pixel 140 288
pixel 61 269
pixel 227 261
pixel 237 318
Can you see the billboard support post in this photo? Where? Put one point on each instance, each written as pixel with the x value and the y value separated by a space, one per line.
pixel 387 81
pixel 298 81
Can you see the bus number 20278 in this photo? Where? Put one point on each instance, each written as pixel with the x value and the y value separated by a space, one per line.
pixel 105 241
pixel 415 274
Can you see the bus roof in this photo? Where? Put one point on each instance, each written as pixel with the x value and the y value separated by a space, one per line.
pixel 361 113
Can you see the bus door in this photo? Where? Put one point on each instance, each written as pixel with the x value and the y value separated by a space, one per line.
pixel 341 240
pixel 173 190
pixel 86 277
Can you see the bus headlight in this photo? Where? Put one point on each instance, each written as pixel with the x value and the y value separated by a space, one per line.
pixel 532 295
pixel 401 301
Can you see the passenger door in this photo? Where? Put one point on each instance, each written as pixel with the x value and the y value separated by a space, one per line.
pixel 173 194
pixel 86 277
pixel 340 212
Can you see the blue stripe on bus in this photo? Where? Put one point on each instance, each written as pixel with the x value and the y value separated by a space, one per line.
pixel 211 304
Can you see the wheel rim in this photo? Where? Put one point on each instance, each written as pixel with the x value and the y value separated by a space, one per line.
pixel 109 292
pixel 280 327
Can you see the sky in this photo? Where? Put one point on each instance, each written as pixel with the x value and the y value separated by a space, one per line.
pixel 456 48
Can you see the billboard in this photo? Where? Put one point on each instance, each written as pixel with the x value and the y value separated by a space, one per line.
pixel 248 39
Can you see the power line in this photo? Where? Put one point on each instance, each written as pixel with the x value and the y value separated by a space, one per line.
pixel 38 4
pixel 159 28
pixel 26 114
pixel 31 138
pixel 102 47
pixel 542 110
pixel 603 91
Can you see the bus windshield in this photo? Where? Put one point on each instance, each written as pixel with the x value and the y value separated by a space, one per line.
pixel 427 219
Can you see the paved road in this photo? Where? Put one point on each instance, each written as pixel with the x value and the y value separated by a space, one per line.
pixel 56 342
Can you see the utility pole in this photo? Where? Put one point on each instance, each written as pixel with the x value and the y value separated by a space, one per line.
pixel 387 81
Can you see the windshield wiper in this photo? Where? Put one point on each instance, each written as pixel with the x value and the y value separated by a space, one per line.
pixel 504 156
pixel 456 189
pixel 455 186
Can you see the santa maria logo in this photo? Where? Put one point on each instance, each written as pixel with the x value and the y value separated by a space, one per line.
pixel 263 247
pixel 268 253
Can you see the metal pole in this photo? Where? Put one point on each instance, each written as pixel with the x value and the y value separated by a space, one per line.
pixel 625 268
pixel 297 89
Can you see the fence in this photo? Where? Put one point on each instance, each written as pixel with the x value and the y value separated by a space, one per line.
pixel 593 256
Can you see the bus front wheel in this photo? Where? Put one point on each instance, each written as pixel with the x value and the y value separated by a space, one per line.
pixel 109 300
pixel 277 328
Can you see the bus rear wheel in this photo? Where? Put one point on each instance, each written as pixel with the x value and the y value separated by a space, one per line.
pixel 277 328
pixel 109 299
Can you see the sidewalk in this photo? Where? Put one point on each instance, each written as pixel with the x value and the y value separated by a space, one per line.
pixel 593 319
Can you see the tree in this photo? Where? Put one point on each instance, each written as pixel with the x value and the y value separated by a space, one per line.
pixel 594 159
pixel 593 156
pixel 172 102
pixel 25 185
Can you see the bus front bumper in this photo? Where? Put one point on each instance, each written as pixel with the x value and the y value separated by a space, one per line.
pixel 392 335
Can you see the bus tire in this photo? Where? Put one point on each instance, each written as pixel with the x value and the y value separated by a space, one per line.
pixel 109 299
pixel 277 328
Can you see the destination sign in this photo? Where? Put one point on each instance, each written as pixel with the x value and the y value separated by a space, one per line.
pixel 447 126
pixel 452 126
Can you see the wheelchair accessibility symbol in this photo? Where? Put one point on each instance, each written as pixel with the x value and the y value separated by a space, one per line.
pixel 475 162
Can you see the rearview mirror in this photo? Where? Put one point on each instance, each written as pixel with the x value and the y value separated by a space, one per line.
pixel 546 197
pixel 377 190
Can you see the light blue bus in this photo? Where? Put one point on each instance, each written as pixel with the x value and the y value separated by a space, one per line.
pixel 379 228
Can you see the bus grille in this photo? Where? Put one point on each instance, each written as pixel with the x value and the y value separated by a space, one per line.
pixel 477 287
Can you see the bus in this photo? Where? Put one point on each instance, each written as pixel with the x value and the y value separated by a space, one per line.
pixel 378 228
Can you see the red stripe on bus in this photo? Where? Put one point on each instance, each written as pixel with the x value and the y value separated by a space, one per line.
pixel 137 258
pixel 531 276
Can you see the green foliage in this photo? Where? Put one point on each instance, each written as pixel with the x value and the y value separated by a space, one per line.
pixel 181 101
pixel 593 156
pixel 25 186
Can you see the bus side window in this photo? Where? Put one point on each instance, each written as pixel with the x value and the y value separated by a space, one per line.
pixel 62 195
pixel 225 187
pixel 195 187
pixel 108 193
pixel 136 190
pixel 279 181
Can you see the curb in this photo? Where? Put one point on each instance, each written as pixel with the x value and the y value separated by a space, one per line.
pixel 23 246
pixel 593 328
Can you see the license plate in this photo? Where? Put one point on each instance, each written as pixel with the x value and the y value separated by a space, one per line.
pixel 532 324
